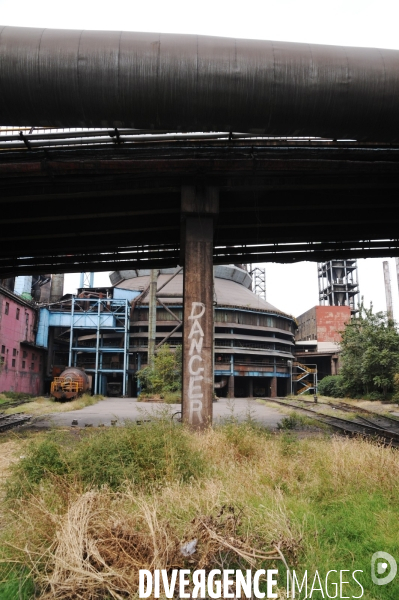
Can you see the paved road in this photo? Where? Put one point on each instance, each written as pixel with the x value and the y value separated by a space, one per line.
pixel 123 409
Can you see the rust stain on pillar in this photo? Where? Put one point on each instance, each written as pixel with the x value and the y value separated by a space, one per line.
pixel 199 208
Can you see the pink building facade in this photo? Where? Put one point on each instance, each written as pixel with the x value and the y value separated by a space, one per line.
pixel 21 362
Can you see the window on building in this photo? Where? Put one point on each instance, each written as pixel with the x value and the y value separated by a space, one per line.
pixel 13 362
pixel 23 364
pixel 24 354
pixel 3 349
pixel 7 308
pixel 17 314
pixel 14 352
pixel 33 356
pixel 32 366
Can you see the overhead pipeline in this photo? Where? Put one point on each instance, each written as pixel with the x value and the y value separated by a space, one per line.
pixel 67 78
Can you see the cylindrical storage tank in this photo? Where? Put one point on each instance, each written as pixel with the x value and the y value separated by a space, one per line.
pixel 70 384
pixel 253 340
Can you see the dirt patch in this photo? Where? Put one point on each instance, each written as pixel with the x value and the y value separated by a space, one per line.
pixel 8 455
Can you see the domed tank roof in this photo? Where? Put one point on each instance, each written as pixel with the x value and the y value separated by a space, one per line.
pixel 232 287
pixel 231 272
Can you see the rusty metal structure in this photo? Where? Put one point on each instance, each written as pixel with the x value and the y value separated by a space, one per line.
pixel 193 150
pixel 339 284
pixel 71 384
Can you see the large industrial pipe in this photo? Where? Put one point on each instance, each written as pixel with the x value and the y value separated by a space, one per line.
pixel 71 78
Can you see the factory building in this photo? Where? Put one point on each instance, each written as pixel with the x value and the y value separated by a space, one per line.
pixel 253 340
pixel 21 360
pixel 106 331
pixel 318 336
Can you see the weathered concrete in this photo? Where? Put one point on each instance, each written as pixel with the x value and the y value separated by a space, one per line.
pixel 199 206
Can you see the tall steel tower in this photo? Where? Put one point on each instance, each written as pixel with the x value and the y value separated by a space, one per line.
pixel 339 284
pixel 258 280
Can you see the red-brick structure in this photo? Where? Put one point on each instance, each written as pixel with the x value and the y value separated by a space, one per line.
pixel 318 336
pixel 21 361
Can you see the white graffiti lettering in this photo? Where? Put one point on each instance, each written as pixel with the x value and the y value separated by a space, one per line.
pixel 193 307
pixel 190 365
pixel 195 328
pixel 196 336
pixel 196 346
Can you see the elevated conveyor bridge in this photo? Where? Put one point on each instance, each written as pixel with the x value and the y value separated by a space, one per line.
pixel 297 158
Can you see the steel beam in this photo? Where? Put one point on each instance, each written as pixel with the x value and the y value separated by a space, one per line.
pixel 199 208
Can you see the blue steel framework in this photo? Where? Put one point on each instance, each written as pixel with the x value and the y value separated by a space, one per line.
pixel 102 316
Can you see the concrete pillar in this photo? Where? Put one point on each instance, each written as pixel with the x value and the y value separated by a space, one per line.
pixel 250 387
pixel 273 387
pixel 57 287
pixel 230 388
pixel 199 207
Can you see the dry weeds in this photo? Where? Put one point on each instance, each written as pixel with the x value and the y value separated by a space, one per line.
pixel 90 545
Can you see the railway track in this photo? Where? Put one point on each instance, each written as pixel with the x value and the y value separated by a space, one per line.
pixel 366 427
pixel 373 418
pixel 10 421
pixel 13 404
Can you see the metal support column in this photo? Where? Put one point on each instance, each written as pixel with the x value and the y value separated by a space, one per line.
pixel 97 347
pixel 289 363
pixel 152 316
pixel 71 332
pixel 126 349
pixel 199 207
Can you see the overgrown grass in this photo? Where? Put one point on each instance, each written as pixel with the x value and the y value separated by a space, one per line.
pixel 44 406
pixel 113 457
pixel 6 397
pixel 85 513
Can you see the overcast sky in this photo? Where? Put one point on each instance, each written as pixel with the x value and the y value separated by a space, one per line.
pixel 292 288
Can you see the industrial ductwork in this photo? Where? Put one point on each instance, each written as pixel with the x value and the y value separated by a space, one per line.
pixel 196 83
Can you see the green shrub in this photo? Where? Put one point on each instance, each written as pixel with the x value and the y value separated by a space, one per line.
pixel 42 460
pixel 332 386
pixel 140 454
pixel 143 455
pixel 164 375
